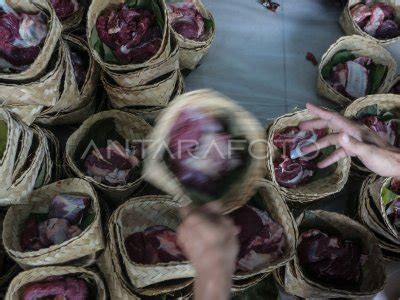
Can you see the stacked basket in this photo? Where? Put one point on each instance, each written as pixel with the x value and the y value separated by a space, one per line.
pixel 383 103
pixel 192 51
pixel 151 83
pixel 30 159
pixel 372 212
pixel 316 189
pixel 47 91
pixel 296 281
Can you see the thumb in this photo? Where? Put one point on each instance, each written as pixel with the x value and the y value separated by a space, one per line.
pixel 354 147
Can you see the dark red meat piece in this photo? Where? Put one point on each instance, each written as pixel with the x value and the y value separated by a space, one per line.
pixel 155 245
pixel 293 173
pixel 63 288
pixel 262 240
pixel 133 34
pixel 65 8
pixel 330 258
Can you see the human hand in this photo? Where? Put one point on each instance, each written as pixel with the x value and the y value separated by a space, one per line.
pixel 209 241
pixel 351 139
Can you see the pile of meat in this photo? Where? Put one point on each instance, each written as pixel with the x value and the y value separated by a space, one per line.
pixel 57 288
pixel 352 78
pixel 64 217
pixel 186 20
pixel 293 169
pixel 393 208
pixel 196 142
pixel 133 34
pixel 156 244
pixel 386 129
pixel 21 37
pixel 262 240
pixel 113 165
pixel 65 8
pixel 330 258
pixel 376 19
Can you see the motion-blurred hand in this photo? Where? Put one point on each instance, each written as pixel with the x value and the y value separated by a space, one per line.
pixel 352 139
pixel 209 241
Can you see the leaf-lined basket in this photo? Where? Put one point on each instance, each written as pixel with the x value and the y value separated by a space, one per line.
pixel 359 46
pixel 318 188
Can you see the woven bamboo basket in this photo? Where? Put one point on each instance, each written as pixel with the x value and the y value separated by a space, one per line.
pixel 97 7
pixel 138 214
pixel 369 215
pixel 373 272
pixel 77 116
pixel 350 27
pixel 386 102
pixel 128 126
pixel 156 170
pixel 272 201
pixel 9 271
pixel 395 82
pixel 376 190
pixel 54 33
pixel 191 52
pixel 151 72
pixel 239 286
pixel 73 97
pixel 15 289
pixel 40 93
pixel 151 113
pixel 20 173
pixel 80 250
pixel 360 46
pixel 54 157
pixel 119 284
pixel 74 21
pixel 155 93
pixel 316 189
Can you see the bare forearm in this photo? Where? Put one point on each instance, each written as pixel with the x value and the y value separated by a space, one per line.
pixel 212 287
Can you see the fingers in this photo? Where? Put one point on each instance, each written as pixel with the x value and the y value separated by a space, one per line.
pixel 356 148
pixel 337 155
pixel 326 141
pixel 313 124
pixel 334 121
pixel 319 112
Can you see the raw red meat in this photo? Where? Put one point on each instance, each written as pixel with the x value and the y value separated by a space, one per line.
pixel 198 141
pixel 64 288
pixel 293 138
pixel 112 165
pixel 65 8
pixel 133 34
pixel 387 130
pixel 186 20
pixel 293 173
pixel 262 240
pixel 157 244
pixel 378 20
pixel 330 258
pixel 21 36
